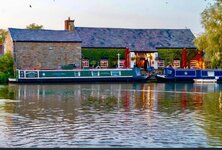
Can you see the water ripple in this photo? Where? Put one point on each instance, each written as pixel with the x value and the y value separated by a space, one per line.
pixel 112 116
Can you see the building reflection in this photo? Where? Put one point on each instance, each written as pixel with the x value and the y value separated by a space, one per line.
pixel 7 108
pixel 220 101
pixel 145 97
pixel 129 96
pixel 50 105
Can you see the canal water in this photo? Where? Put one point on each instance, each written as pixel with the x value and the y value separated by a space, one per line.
pixel 111 115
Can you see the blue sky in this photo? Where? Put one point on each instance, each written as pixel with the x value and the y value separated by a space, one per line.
pixel 145 14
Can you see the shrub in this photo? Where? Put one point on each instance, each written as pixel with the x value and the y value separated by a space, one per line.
pixel 6 67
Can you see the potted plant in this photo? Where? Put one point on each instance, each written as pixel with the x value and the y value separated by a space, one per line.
pixel 133 58
pixel 93 63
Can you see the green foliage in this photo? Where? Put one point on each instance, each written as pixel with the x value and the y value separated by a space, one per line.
pixel 211 40
pixel 168 55
pixel 93 63
pixel 6 67
pixel 7 92
pixel 94 55
pixel 2 35
pixel 108 103
pixel 212 119
pixel 3 77
pixel 34 26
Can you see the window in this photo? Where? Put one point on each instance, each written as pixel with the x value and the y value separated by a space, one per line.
pixel 121 63
pixel 85 63
pixel 76 73
pixel 104 63
pixel 193 64
pixel 115 73
pixel 95 73
pixel 176 63
pixel 161 63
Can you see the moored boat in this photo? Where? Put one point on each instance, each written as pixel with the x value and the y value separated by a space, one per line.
pixel 189 75
pixel 207 81
pixel 80 75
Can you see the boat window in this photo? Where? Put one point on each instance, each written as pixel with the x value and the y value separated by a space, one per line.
pixel 95 73
pixel 105 73
pixel 169 72
pixel 76 73
pixel 30 74
pixel 210 73
pixel 115 73
pixel 22 74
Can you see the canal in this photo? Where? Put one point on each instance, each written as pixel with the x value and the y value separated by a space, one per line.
pixel 111 115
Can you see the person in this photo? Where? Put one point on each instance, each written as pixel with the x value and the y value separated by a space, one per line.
pixel 145 64
pixel 169 66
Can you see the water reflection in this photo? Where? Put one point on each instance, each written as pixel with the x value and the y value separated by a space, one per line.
pixel 110 115
pixel 220 101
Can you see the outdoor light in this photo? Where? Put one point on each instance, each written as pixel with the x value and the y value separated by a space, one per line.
pixel 118 60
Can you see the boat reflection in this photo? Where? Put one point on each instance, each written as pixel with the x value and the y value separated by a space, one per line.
pixel 50 114
pixel 220 101
pixel 153 96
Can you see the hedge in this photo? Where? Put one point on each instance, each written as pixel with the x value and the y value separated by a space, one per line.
pixel 95 54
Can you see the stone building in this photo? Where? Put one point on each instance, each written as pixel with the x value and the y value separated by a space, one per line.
pixel 53 48
pixel 142 43
pixel 43 49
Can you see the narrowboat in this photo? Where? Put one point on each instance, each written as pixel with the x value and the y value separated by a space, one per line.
pixel 189 75
pixel 79 75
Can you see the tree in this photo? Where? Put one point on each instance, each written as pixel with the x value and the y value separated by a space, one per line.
pixel 6 67
pixel 211 40
pixel 34 26
pixel 2 35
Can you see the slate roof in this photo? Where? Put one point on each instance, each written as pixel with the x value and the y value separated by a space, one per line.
pixel 135 39
pixel 28 35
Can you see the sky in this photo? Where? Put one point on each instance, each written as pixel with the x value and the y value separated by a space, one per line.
pixel 135 14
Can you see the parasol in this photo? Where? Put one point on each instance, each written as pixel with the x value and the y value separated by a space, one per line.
pixel 184 58
pixel 126 61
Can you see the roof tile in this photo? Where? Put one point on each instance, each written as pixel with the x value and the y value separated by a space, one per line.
pixel 136 39
pixel 28 35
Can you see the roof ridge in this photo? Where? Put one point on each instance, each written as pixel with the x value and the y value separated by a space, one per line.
pixel 36 30
pixel 134 28
pixel 43 35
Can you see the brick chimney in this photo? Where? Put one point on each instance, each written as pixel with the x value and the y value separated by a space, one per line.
pixel 69 25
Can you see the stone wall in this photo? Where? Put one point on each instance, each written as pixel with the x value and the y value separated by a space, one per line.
pixel 29 55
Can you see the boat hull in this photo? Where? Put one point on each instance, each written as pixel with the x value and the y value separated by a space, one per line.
pixel 189 75
pixel 77 80
pixel 77 76
pixel 161 78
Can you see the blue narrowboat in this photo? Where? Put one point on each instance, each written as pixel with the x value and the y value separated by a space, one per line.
pixel 80 75
pixel 189 75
